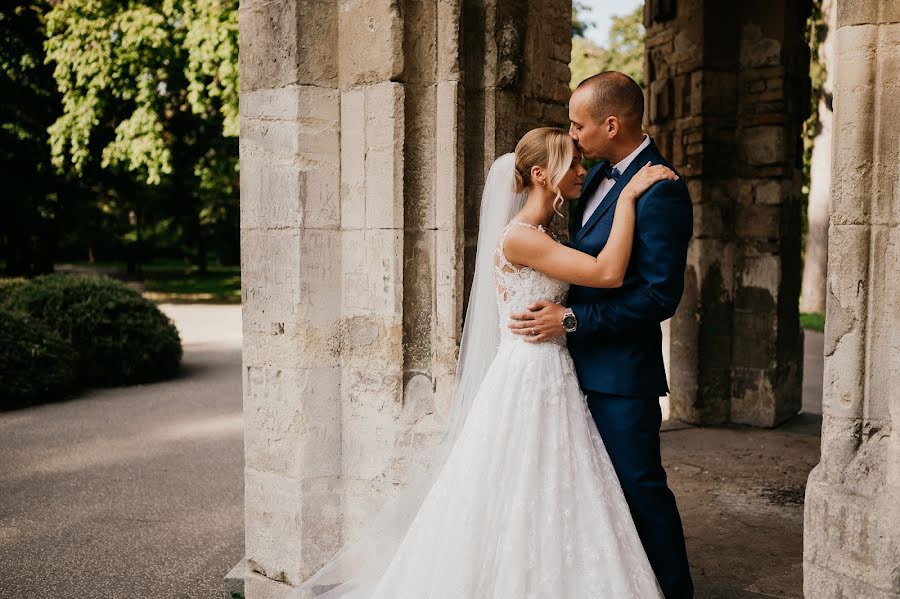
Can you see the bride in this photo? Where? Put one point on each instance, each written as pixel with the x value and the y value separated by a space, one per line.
pixel 521 499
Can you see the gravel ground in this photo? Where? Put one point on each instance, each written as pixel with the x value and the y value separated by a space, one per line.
pixel 130 492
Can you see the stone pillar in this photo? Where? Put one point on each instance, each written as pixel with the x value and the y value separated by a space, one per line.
pixel 727 96
pixel 852 523
pixel 291 253
pixel 363 150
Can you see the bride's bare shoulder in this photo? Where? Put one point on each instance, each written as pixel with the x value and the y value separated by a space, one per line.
pixel 522 242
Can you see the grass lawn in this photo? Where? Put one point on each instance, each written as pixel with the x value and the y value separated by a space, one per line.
pixel 813 320
pixel 173 280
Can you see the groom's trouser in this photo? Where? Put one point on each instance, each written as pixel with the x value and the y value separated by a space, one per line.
pixel 629 427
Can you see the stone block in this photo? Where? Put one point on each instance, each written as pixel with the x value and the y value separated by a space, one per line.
pixel 371 42
pixel 373 274
pixel 856 57
pixel 865 12
pixel 845 330
pixel 449 159
pixel 353 159
pixel 322 197
pixel 271 195
pixel 289 142
pixel 420 42
pixel 284 42
pixel 293 421
pixel 883 351
pixel 854 129
pixel 848 543
pixel 293 345
pixel 449 294
pixel 420 146
pixel 419 300
pixel 270 271
pixel 841 438
pixel 449 27
pixel 292 526
pixel 763 145
pixel 234 580
pixel 257 586
pixel 307 104
pixel 761 271
pixel 885 202
pixel 758 221
pixel 771 192
pixel 757 49
pixel 754 399
pixel 384 156
pixel 289 278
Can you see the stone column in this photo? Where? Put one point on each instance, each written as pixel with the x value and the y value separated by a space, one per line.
pixel 852 523
pixel 363 148
pixel 727 95
pixel 291 253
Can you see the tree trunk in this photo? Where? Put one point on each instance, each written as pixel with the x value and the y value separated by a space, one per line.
pixel 812 294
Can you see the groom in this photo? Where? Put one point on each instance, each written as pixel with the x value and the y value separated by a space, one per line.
pixel 614 334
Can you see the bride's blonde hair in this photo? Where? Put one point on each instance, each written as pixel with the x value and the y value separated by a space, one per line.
pixel 549 148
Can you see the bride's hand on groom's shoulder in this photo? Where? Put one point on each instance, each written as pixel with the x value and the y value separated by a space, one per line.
pixel 647 177
pixel 540 322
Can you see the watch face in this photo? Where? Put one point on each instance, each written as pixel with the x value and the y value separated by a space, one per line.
pixel 569 322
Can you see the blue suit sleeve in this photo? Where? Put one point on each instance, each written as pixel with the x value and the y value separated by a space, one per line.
pixel 664 228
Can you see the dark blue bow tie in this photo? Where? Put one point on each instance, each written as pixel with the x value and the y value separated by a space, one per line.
pixel 610 172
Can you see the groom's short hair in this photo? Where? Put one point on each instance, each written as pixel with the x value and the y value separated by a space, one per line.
pixel 615 94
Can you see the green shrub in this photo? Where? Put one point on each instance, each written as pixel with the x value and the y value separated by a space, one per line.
pixel 120 337
pixel 36 365
pixel 7 284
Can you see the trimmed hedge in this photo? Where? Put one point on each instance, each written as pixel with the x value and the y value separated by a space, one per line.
pixel 8 284
pixel 120 337
pixel 36 365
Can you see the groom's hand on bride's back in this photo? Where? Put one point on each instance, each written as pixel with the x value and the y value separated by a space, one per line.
pixel 541 321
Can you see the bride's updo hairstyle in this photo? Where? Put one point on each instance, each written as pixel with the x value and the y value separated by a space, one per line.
pixel 549 148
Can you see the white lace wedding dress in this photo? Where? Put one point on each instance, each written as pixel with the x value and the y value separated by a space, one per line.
pixel 527 504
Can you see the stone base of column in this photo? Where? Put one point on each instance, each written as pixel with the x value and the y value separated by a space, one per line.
pixel 233 584
pixel 849 543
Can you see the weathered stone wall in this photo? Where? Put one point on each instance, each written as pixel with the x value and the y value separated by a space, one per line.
pixel 516 62
pixel 852 522
pixel 727 95
pixel 367 128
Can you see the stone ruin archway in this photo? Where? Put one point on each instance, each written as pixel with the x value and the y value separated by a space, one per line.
pixel 367 127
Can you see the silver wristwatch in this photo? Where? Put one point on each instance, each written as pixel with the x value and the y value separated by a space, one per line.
pixel 569 322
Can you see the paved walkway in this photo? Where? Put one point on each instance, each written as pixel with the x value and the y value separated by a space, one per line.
pixel 137 492
pixel 133 492
pixel 740 492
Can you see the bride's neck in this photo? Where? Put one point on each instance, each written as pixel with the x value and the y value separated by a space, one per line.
pixel 538 209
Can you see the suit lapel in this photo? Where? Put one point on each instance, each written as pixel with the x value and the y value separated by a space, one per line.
pixel 613 195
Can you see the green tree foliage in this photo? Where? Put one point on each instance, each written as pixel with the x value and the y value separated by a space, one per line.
pixel 625 52
pixel 150 98
pixel 816 29
pixel 28 105
pixel 581 20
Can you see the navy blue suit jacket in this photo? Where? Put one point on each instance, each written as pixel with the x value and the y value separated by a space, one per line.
pixel 617 347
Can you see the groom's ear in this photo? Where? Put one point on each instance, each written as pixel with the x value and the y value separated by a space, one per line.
pixel 612 126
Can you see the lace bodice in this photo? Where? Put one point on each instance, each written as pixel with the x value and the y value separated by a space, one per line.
pixel 519 287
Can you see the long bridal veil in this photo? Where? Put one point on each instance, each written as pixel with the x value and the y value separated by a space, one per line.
pixel 356 569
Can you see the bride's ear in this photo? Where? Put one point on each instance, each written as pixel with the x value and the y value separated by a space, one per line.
pixel 538 176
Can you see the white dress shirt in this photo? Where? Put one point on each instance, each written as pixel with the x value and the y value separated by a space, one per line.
pixel 607 184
